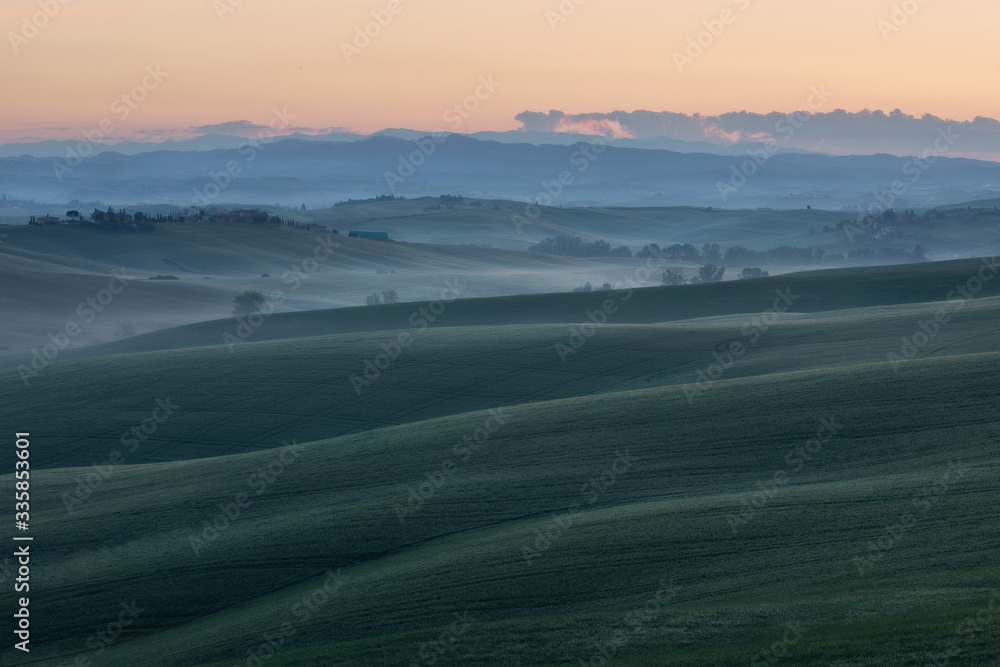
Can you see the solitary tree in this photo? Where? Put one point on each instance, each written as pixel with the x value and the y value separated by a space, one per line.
pixel 710 273
pixel 373 299
pixel 248 303
pixel 124 330
pixel 390 296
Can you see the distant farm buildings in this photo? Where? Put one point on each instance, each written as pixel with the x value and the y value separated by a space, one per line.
pixel 242 215
pixel 47 220
pixel 376 236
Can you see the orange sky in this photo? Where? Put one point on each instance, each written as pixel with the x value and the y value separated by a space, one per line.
pixel 607 55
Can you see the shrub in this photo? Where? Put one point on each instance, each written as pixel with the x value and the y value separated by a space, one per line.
pixel 749 273
pixel 673 277
pixel 248 303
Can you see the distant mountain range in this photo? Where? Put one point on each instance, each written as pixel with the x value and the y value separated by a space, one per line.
pixel 320 171
pixel 207 142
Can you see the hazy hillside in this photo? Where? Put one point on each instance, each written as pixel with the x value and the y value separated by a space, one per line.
pixel 960 231
pixel 969 229
pixel 59 149
pixel 48 272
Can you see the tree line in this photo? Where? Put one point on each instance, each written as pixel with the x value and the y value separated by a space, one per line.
pixel 573 246
pixel 711 253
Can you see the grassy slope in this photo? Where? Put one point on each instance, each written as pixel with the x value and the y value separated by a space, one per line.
pixel 40 303
pixel 269 392
pixel 301 387
pixel 666 516
pixel 238 249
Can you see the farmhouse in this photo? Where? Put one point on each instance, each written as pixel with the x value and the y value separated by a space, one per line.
pixel 378 236
pixel 48 220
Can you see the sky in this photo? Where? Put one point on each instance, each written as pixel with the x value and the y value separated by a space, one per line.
pixel 149 70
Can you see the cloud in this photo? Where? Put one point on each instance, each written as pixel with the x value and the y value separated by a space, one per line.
pixel 234 127
pixel 837 131
pixel 585 124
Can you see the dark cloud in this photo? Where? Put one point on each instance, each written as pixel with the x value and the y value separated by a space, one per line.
pixel 321 130
pixel 244 128
pixel 234 127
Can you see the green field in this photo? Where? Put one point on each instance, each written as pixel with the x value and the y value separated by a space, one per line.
pixel 649 501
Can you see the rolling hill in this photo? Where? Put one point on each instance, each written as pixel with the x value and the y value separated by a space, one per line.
pixel 48 272
pixel 812 500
